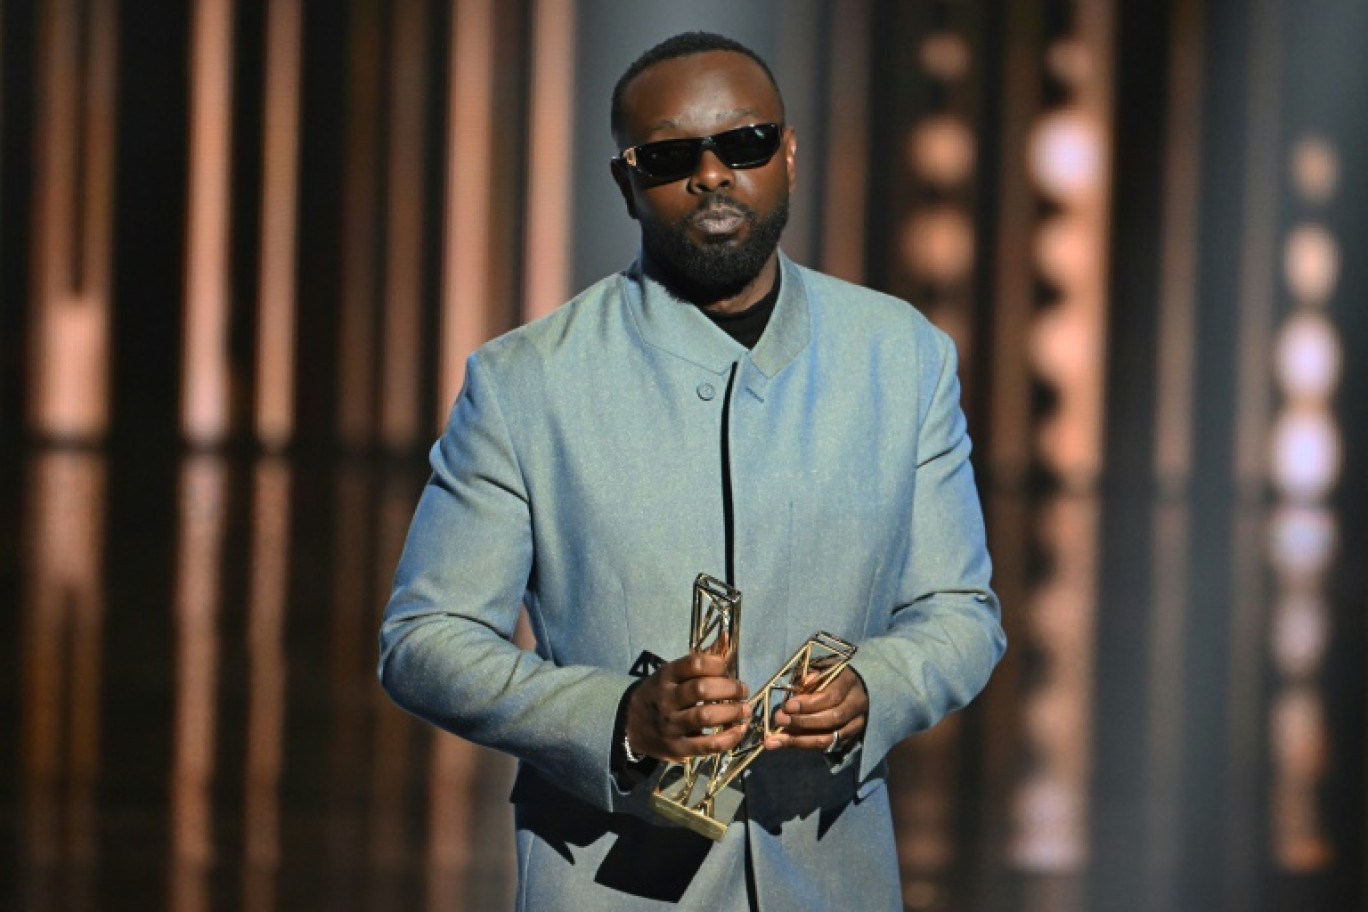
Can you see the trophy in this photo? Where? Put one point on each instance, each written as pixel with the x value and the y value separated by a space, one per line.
pixel 703 793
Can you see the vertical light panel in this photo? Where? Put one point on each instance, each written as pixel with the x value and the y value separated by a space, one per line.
pixel 1173 434
pixel 843 241
pixel 72 218
pixel 1069 159
pixel 937 238
pixel 1010 461
pixel 1007 506
pixel 925 804
pixel 1305 464
pixel 451 836
pixel 360 226
pixel 546 256
pixel 390 847
pixel 403 304
pixel 1247 694
pixel 351 688
pixel 466 260
pixel 203 504
pixel 799 40
pixel 60 654
pixel 205 369
pixel 279 217
pixel 267 676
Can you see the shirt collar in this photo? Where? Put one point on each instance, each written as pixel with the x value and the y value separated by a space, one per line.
pixel 678 327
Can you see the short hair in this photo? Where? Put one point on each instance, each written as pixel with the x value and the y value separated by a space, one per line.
pixel 685 44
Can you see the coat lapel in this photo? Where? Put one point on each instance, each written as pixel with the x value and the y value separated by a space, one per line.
pixel 679 328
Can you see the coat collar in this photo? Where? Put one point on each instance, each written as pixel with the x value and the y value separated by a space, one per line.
pixel 678 327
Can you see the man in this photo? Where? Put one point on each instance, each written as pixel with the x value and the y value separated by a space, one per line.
pixel 715 408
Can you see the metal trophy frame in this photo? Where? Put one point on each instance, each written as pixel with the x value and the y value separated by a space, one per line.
pixel 703 793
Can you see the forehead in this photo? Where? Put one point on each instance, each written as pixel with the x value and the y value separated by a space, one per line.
pixel 698 94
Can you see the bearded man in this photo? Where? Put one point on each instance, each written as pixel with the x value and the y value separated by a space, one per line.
pixel 714 408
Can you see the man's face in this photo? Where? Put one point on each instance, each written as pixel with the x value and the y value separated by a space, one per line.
pixel 717 227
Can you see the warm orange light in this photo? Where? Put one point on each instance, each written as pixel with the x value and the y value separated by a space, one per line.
pixel 1312 261
pixel 1070 61
pixel 843 240
pixel 1065 251
pixel 73 219
pixel 61 620
pixel 267 672
pixel 945 55
pixel 205 369
pixel 938 244
pixel 280 189
pixel 360 230
pixel 401 314
pixel 1064 346
pixel 465 265
pixel 203 520
pixel 942 151
pixel 546 275
pixel 1315 168
pixel 1300 756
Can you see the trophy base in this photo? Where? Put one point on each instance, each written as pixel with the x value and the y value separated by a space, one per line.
pixel 685 813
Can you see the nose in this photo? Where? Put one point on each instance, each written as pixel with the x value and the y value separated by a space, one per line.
pixel 712 173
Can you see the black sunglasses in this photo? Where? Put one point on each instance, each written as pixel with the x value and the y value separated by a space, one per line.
pixel 670 159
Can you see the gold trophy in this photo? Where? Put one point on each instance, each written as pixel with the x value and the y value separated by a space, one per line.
pixel 703 793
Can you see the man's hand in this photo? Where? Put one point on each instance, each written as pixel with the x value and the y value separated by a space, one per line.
pixel 668 712
pixel 810 720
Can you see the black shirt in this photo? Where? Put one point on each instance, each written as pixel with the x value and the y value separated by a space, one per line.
pixel 747 326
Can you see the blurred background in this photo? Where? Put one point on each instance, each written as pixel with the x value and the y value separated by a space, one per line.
pixel 246 245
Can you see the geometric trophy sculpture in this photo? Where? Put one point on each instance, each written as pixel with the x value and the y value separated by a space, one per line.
pixel 703 793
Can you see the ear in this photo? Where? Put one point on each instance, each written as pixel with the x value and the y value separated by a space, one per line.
pixel 790 151
pixel 623 179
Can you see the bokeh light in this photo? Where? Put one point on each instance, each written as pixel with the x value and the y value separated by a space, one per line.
pixel 1066 154
pixel 941 150
pixel 1308 357
pixel 1311 259
pixel 939 244
pixel 945 56
pixel 1315 168
pixel 1306 453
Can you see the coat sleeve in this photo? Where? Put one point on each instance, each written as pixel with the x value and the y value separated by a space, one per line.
pixel 945 634
pixel 446 650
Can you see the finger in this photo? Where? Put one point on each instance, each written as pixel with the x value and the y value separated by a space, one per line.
pixel 698 665
pixel 823 714
pixel 710 690
pixel 710 715
pixel 826 720
pixel 701 745
pixel 819 741
pixel 836 692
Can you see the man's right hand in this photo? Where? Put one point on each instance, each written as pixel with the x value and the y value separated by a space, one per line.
pixel 668 712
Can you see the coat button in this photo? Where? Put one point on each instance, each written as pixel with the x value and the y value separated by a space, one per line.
pixel 706 392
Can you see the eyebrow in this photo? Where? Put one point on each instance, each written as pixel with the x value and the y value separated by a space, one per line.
pixel 668 124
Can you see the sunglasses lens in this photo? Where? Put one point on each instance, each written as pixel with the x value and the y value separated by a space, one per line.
pixel 745 147
pixel 748 146
pixel 671 158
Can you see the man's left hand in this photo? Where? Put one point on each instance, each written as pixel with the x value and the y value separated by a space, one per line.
pixel 810 720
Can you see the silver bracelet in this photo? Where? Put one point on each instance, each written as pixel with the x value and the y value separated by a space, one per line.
pixel 632 757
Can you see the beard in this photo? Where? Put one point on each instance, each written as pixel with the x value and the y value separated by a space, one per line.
pixel 710 270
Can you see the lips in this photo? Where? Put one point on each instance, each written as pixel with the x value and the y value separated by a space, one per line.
pixel 716 221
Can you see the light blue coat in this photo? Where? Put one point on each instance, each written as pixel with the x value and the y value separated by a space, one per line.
pixel 580 475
